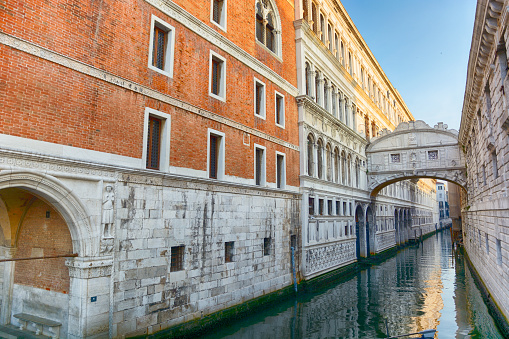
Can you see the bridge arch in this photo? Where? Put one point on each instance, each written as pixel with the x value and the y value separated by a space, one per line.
pixel 415 150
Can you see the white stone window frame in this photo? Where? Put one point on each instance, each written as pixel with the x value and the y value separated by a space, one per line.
pixel 263 109
pixel 222 83
pixel 263 177
pixel 278 33
pixel 283 174
pixel 220 157
pixel 164 152
pixel 283 109
pixel 170 46
pixel 224 16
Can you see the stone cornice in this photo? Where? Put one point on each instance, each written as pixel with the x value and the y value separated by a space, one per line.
pixel 487 16
pixel 177 13
pixel 48 55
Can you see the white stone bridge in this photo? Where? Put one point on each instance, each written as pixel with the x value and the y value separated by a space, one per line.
pixel 415 150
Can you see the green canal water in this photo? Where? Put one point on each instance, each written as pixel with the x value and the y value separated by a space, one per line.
pixel 428 286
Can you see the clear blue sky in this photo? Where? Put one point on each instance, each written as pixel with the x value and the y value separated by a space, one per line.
pixel 423 47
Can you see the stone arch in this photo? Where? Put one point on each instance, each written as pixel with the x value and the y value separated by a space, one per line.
pixel 56 194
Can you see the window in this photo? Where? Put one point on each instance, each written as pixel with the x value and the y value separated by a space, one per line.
pixel 215 154
pixel 156 136
pixel 322 28
pixel 266 246
pixel 344 208
pixel 329 207
pixel 320 206
pixel 217 82
pixel 432 155
pixel 499 252
pixel 310 152
pixel 319 157
pixel 350 65
pixel 338 206
pixel 494 164
pixel 280 110
pixel 218 13
pixel 177 258
pixel 259 94
pixel 259 165
pixel 267 25
pixel 161 47
pixel 228 251
pixel 487 243
pixel 311 206
pixel 484 173
pixel 280 170
pixel 395 158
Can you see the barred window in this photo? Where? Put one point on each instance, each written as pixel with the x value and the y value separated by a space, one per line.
pixel 177 258
pixel 266 245
pixel 153 142
pixel 219 13
pixel 228 251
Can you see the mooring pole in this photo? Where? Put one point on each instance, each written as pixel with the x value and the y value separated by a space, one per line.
pixel 293 268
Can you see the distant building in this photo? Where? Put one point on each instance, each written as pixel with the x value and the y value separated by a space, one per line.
pixel 443 201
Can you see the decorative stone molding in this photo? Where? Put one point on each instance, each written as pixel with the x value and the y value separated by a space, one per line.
pixel 329 256
pixel 83 68
pixel 86 268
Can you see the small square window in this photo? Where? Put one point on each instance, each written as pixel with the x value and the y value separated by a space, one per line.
pixel 161 47
pixel 217 83
pixel 280 110
pixel 228 251
pixel 177 258
pixel 259 98
pixel 267 242
pixel 395 158
pixel 432 155
pixel 218 13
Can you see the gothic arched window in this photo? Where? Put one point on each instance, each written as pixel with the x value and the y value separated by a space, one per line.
pixel 319 158
pixel 311 144
pixel 267 25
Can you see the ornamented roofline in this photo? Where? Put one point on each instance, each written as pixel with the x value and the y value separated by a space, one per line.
pixel 488 17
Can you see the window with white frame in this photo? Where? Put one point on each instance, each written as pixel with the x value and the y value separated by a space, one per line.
pixel 217 78
pixel 218 13
pixel 161 46
pixel 156 140
pixel 280 170
pixel 259 98
pixel 215 154
pixel 280 110
pixel 259 165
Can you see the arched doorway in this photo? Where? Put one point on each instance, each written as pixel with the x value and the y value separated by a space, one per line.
pixel 360 243
pixel 37 287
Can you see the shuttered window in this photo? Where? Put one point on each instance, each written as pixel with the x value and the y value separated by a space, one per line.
pixel 159 47
pixel 214 144
pixel 153 142
pixel 217 11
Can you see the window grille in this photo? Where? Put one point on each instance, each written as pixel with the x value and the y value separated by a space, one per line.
pixel 395 158
pixel 154 141
pixel 177 258
pixel 258 160
pixel 216 76
pixel 217 11
pixel 213 157
pixel 159 46
pixel 266 246
pixel 432 155
pixel 228 251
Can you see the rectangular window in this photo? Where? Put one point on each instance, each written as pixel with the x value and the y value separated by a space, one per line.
pixel 280 171
pixel 499 252
pixel 228 251
pixel 259 94
pixel 494 163
pixel 395 158
pixel 484 174
pixel 215 155
pixel 217 82
pixel 311 206
pixel 156 146
pixel 266 246
pixel 259 165
pixel 338 207
pixel 154 142
pixel 177 258
pixel 432 155
pixel 280 110
pixel 320 206
pixel 218 15
pixel 487 243
pixel 344 208
pixel 161 47
pixel 329 207
pixel 293 241
pixel 346 230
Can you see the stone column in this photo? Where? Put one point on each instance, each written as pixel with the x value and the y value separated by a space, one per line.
pixel 89 297
pixel 328 104
pixel 311 79
pixel 320 98
pixel 8 282
pixel 341 108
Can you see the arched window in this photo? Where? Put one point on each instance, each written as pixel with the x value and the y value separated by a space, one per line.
pixel 319 158
pixel 326 94
pixel 311 145
pixel 336 165
pixel 334 99
pixel 305 10
pixel 267 25
pixel 329 162
pixel 315 18
pixel 308 87
pixel 349 170
pixel 317 87
pixel 343 168
pixel 357 172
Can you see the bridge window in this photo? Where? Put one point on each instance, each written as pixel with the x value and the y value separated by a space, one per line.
pixel 395 158
pixel 432 155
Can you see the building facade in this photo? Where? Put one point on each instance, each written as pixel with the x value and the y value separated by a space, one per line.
pixel 344 100
pixel 443 201
pixel 485 141
pixel 158 141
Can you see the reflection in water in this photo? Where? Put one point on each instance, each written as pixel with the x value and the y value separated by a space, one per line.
pixel 424 287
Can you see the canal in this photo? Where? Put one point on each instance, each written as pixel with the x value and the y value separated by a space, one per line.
pixel 425 286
